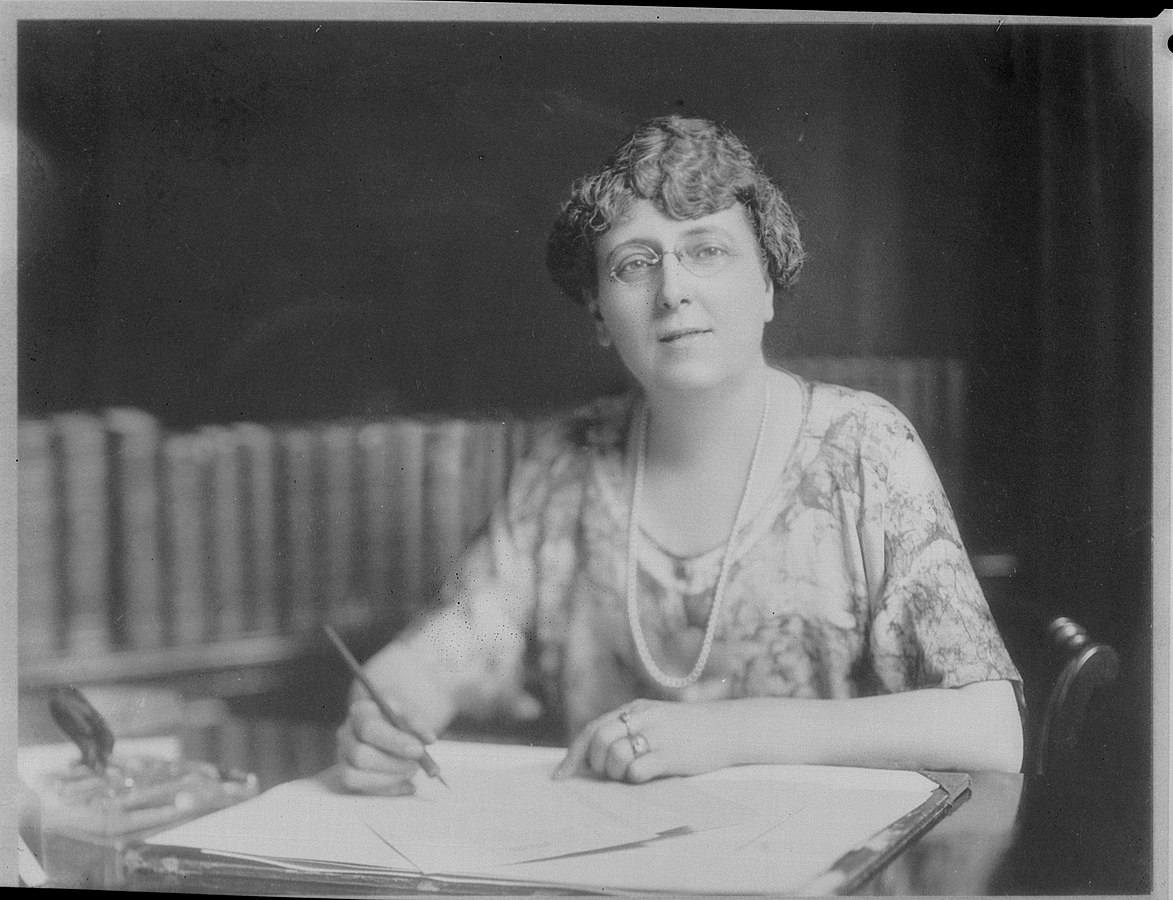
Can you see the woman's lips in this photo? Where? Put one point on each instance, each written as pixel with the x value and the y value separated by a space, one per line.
pixel 681 333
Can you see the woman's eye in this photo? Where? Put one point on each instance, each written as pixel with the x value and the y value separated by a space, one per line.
pixel 634 264
pixel 708 252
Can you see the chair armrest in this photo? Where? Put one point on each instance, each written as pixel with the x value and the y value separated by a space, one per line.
pixel 1087 666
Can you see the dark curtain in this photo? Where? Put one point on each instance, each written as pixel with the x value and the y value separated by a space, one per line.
pixel 1092 406
pixel 1087 524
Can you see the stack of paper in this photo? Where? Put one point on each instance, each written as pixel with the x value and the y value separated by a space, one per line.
pixel 749 829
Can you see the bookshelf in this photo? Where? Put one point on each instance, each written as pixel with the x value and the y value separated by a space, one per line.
pixel 210 558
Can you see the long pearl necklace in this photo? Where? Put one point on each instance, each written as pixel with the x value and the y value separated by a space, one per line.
pixel 637 633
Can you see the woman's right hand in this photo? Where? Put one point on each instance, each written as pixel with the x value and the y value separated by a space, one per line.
pixel 374 756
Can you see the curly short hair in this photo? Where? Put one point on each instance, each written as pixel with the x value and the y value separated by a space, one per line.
pixel 689 168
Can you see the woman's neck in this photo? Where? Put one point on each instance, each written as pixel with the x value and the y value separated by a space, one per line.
pixel 686 429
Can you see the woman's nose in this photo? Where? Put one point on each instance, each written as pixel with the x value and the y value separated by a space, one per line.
pixel 673 287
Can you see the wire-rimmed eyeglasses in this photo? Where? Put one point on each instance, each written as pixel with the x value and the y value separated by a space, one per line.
pixel 637 264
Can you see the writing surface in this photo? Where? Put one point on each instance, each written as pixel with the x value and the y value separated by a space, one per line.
pixel 752 829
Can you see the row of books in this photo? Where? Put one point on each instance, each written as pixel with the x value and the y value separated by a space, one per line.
pixel 132 536
pixel 135 537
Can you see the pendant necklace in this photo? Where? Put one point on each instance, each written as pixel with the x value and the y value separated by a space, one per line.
pixel 637 633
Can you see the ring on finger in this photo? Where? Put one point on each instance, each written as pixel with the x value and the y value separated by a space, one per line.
pixel 625 718
pixel 639 745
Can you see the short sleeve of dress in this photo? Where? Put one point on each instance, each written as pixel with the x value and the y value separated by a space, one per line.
pixel 930 623
pixel 474 636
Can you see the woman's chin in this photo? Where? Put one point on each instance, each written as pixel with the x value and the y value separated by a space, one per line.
pixel 692 376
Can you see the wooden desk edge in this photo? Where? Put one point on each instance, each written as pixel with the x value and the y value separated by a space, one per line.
pixel 852 870
pixel 161 865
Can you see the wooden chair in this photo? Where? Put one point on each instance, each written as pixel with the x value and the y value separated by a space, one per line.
pixel 1068 676
pixel 1059 738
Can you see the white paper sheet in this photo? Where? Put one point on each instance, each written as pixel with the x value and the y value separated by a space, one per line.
pixel 762 829
pixel 308 819
pixel 793 832
pixel 520 814
pixel 500 806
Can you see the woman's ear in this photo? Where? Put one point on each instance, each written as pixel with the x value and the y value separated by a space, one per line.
pixel 768 310
pixel 602 335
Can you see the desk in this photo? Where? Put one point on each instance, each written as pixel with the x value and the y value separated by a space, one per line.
pixel 1014 834
pixel 1032 835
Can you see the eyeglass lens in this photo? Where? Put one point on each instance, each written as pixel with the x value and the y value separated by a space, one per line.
pixel 636 264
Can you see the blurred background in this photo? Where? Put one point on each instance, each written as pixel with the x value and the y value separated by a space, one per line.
pixel 293 222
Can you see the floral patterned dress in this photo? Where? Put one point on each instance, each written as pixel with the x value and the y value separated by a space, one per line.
pixel 850 580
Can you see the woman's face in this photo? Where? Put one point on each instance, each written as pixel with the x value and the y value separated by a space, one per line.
pixel 682 325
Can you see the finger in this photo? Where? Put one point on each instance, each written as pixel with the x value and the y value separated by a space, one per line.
pixel 368 758
pixel 361 755
pixel 412 722
pixel 361 781
pixel 610 731
pixel 524 706
pixel 371 727
pixel 605 737
pixel 575 754
pixel 620 755
pixel 580 747
pixel 409 720
pixel 375 774
pixel 644 768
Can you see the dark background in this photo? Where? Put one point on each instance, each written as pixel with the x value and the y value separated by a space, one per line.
pixel 274 220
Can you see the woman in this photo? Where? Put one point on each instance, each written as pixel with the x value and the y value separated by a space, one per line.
pixel 777 552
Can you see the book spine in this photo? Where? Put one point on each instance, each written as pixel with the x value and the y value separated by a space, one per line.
pixel 931 393
pixel 313 746
pixel 813 367
pixel 39 595
pixel 234 744
pixel 136 576
pixel 86 532
pixel 486 451
pixel 497 463
pixel 258 525
pixel 200 730
pixel 522 434
pixel 406 499
pixel 185 536
pixel 338 472
pixel 873 373
pixel 905 393
pixel 226 576
pixel 376 549
pixel 954 436
pixel 298 528
pixel 845 371
pixel 443 498
pixel 272 751
pixel 474 471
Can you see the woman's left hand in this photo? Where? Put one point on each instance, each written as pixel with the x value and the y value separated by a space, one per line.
pixel 648 739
